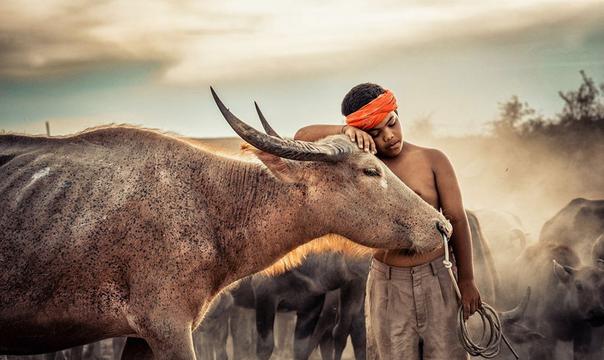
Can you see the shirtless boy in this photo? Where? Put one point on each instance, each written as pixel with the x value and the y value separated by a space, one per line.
pixel 410 304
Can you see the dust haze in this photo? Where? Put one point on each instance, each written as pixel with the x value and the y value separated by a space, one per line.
pixel 529 165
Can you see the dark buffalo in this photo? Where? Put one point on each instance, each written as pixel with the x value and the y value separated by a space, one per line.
pixel 577 226
pixel 568 305
pixel 310 291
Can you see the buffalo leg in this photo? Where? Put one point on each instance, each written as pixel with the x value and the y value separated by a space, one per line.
pixel 220 341
pixel 243 332
pixel 351 305
pixel 306 324
pixel 358 335
pixel 265 322
pixel 326 346
pixel 323 333
pixel 203 350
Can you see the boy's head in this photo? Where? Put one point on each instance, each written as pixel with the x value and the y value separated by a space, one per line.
pixel 386 129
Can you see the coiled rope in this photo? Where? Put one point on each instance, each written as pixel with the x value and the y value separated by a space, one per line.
pixel 489 344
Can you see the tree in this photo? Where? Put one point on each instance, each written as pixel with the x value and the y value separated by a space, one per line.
pixel 581 115
pixel 583 107
pixel 512 114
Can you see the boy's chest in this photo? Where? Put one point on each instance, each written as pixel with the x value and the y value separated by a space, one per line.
pixel 418 175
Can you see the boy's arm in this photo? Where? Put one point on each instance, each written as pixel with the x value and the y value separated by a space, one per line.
pixel 316 132
pixel 461 240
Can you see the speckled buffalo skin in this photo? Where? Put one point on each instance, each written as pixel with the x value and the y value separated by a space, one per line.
pixel 125 231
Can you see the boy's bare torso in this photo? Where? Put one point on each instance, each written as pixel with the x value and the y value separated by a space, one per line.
pixel 414 166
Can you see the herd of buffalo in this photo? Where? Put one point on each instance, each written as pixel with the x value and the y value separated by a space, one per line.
pixel 155 246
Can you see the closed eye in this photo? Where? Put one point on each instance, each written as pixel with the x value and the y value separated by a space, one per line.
pixel 371 172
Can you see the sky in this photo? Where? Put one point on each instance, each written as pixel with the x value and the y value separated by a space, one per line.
pixel 79 64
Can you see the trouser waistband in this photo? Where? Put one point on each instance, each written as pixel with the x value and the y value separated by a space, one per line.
pixel 393 272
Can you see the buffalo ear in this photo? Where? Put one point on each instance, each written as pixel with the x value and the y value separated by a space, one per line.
pixel 281 168
pixel 563 272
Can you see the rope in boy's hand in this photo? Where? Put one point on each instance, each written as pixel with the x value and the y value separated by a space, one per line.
pixel 491 324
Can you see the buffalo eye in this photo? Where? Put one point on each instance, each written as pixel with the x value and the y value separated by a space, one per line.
pixel 579 286
pixel 371 172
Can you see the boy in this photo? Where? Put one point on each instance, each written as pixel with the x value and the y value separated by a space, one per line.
pixel 410 306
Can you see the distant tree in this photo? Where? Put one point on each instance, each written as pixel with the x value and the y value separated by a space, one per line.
pixel 512 114
pixel 582 115
pixel 583 107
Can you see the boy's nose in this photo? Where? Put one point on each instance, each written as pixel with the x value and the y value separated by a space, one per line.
pixel 388 135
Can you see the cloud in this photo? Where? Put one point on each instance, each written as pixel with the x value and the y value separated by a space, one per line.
pixel 198 42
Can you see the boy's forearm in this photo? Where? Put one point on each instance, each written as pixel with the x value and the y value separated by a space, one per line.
pixel 316 132
pixel 462 248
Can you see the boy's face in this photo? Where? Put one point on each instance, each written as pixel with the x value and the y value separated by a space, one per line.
pixel 388 136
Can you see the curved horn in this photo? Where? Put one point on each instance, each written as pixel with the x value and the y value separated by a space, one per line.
pixel 285 148
pixel 269 130
pixel 516 313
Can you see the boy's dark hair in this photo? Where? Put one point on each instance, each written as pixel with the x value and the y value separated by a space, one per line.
pixel 360 96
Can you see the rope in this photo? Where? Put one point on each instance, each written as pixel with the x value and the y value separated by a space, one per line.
pixel 489 344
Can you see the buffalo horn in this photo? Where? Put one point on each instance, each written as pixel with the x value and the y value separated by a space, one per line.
pixel 285 148
pixel 516 313
pixel 267 128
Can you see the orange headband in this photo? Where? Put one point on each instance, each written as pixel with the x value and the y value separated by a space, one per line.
pixel 373 113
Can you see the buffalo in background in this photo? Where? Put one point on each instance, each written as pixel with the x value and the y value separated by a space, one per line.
pixel 564 271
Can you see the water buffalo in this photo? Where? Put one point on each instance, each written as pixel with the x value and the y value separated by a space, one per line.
pixel 121 231
pixel 323 285
pixel 569 301
pixel 576 225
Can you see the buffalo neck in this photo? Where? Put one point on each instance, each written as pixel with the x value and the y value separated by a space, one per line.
pixel 257 218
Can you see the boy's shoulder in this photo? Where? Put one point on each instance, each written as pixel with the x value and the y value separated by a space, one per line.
pixel 433 156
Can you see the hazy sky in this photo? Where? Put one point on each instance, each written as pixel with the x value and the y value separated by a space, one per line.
pixel 83 63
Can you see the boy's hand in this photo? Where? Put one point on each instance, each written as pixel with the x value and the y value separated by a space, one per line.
pixel 360 137
pixel 470 297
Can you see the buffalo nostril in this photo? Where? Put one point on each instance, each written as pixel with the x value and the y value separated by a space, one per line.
pixel 444 227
